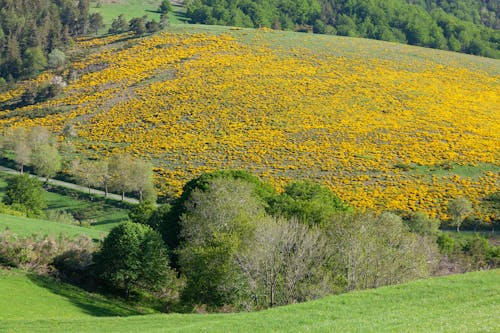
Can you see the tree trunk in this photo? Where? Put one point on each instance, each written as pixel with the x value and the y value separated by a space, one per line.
pixel 123 195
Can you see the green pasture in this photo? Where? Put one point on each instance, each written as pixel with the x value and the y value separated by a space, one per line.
pixel 459 303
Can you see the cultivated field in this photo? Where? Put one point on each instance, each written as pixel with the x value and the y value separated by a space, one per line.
pixel 386 126
pixel 460 303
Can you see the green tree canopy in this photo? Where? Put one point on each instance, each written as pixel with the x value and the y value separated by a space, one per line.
pixel 26 193
pixel 134 258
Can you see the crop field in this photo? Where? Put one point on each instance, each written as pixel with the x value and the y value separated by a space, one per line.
pixel 460 303
pixel 385 126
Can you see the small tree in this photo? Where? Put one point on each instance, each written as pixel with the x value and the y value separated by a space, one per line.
pixel 165 7
pixel 141 179
pixel 138 25
pixel 17 142
pixel 57 59
pixel 25 191
pixel 120 173
pixel 96 22
pixel 47 161
pixel 119 25
pixel 133 257
pixel 459 209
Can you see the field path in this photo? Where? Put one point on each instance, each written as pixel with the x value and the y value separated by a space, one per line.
pixel 73 186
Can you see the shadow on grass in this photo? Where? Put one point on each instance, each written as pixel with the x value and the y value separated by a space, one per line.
pixel 90 304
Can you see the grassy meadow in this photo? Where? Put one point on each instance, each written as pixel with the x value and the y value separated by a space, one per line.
pixel 110 9
pixel 100 214
pixel 460 303
pixel 24 227
pixel 375 121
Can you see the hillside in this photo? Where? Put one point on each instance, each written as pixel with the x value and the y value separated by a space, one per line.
pixel 460 303
pixel 377 122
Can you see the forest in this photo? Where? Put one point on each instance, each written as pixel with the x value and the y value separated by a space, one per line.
pixel 467 26
pixel 33 34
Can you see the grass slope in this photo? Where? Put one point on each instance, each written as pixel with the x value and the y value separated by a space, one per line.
pixel 460 303
pixel 23 226
pixel 29 296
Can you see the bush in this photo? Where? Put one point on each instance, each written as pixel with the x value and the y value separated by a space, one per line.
pixel 133 258
pixel 27 193
pixel 36 252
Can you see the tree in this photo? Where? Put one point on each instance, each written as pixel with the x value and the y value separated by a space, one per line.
pixel 17 142
pixel 310 203
pixel 133 257
pixel 165 7
pixel 57 59
pixel 84 172
pixel 138 25
pixel 218 223
pixel 96 22
pixel 25 191
pixel 119 171
pixel 119 25
pixel 142 212
pixel 376 250
pixel 34 61
pixel 287 263
pixel 102 175
pixel 459 209
pixel 422 224
pixel 47 161
pixel 141 179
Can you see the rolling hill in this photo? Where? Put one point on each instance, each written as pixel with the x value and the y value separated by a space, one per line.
pixel 460 303
pixel 386 126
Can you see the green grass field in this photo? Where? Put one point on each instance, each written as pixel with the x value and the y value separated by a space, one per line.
pixel 110 9
pixel 460 303
pixel 23 227
pixel 104 215
pixel 25 295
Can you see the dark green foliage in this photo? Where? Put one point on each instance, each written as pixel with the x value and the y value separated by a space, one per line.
pixel 133 257
pixel 422 224
pixel 31 29
pixel 138 25
pixel 142 212
pixel 310 203
pixel 469 26
pixel 96 22
pixel 119 25
pixel 170 228
pixel 27 193
pixel 165 7
pixel 218 223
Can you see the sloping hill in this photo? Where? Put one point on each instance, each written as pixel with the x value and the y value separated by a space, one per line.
pixel 461 303
pixel 386 126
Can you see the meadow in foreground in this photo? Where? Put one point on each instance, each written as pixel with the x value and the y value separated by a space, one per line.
pixel 460 303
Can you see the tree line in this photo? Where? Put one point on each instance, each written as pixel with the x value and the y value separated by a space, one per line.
pixel 31 30
pixel 38 149
pixel 468 26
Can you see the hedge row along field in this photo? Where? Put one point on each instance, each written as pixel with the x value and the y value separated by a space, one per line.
pixel 381 128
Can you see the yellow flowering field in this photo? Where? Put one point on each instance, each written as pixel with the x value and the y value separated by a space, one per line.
pixel 381 126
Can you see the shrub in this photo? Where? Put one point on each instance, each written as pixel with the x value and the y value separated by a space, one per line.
pixel 27 193
pixel 134 258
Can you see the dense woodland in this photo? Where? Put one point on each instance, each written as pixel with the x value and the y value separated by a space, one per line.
pixel 33 32
pixel 469 26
